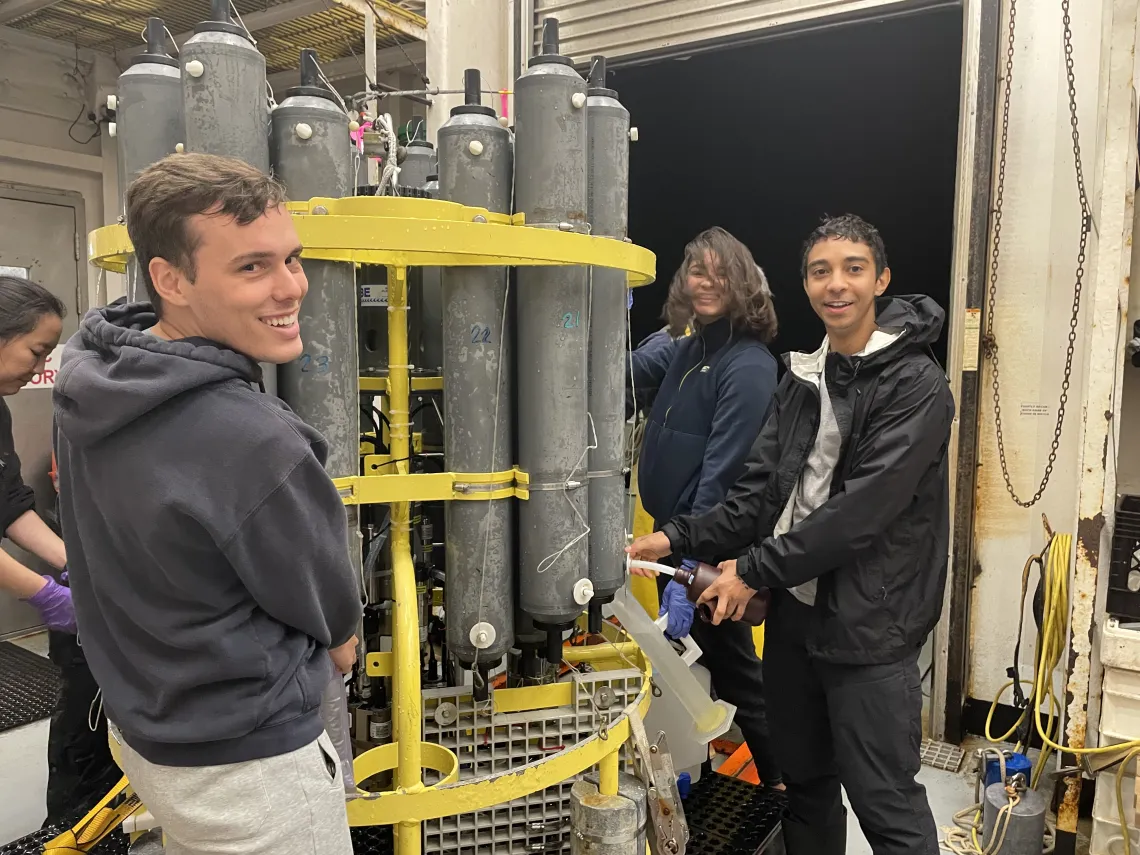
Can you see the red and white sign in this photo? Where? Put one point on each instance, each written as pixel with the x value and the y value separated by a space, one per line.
pixel 46 378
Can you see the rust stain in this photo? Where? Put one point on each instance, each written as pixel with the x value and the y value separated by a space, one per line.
pixel 1089 530
pixel 1088 540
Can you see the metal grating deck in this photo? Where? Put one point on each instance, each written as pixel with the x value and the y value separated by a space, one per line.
pixel 941 755
pixel 115 26
pixel 489 743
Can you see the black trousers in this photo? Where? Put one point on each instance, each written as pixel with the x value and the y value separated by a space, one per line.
pixel 737 675
pixel 80 767
pixel 855 725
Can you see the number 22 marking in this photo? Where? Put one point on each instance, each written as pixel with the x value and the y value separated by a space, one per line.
pixel 480 334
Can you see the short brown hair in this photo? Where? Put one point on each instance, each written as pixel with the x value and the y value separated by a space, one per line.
pixel 162 199
pixel 750 307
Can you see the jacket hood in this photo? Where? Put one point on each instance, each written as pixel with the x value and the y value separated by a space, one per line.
pixel 917 316
pixel 904 323
pixel 114 372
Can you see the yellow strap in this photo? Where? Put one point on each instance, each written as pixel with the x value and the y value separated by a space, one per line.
pixel 101 821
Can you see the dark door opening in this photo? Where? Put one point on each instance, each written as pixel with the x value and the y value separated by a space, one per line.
pixel 766 139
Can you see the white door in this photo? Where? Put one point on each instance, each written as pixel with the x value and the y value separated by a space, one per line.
pixel 39 239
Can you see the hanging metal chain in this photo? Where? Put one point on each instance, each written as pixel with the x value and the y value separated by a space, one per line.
pixel 990 343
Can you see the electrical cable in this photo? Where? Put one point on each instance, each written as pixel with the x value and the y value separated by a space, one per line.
pixel 1055 562
pixel 421 407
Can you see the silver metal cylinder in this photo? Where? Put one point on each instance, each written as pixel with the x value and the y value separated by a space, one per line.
pixel 607 156
pixel 224 95
pixel 553 324
pixel 148 119
pixel 419 162
pixel 431 295
pixel 225 102
pixel 1025 832
pixel 309 145
pixel 478 434
pixel 602 825
pixel 311 156
pixel 632 788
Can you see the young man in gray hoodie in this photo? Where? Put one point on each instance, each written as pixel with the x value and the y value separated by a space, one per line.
pixel 210 572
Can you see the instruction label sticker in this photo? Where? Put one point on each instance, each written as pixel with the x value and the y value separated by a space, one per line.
pixel 374 295
pixel 46 379
pixel 1034 410
pixel 971 339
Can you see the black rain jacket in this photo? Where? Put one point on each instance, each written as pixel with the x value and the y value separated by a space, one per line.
pixel 879 545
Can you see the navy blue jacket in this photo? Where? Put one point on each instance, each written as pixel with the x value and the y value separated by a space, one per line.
pixel 710 393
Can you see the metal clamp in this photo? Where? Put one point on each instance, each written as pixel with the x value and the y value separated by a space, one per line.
pixel 432 486
pixel 655 768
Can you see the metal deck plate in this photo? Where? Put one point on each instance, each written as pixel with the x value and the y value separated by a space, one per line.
pixel 941 755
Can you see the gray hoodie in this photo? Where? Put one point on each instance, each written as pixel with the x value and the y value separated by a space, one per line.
pixel 207 547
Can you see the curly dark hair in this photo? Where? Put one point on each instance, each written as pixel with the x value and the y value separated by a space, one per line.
pixel 847 227
pixel 750 307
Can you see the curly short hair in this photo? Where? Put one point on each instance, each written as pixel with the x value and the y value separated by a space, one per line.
pixel 847 227
pixel 750 306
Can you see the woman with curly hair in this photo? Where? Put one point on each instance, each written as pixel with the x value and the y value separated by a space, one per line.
pixel 710 377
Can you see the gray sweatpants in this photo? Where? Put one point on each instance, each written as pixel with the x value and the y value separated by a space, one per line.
pixel 287 805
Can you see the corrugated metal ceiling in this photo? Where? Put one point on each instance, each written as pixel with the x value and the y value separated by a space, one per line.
pixel 111 26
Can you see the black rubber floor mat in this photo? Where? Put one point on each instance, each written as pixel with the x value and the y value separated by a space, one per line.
pixel 372 840
pixel 30 683
pixel 727 816
pixel 114 843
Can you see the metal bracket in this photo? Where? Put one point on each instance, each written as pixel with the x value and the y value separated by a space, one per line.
pixel 655 768
pixel 431 486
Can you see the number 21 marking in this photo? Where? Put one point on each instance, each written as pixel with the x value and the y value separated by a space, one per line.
pixel 571 319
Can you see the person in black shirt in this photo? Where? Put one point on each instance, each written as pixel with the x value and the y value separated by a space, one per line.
pixel 80 767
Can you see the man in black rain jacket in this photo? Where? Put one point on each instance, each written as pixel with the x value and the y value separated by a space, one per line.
pixel 843 512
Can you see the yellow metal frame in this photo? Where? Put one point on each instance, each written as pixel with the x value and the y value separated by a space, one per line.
pixel 419 384
pixel 429 486
pixel 398 233
pixel 395 232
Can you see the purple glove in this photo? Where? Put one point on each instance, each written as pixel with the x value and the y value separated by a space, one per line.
pixel 54 604
pixel 675 602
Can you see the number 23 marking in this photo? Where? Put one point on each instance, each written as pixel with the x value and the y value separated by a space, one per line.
pixel 322 363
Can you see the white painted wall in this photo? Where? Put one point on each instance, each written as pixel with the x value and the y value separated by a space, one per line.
pixel 1034 297
pixel 1128 450
pixel 466 34
pixel 43 86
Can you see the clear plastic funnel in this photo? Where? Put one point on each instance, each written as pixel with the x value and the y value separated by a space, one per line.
pixel 710 718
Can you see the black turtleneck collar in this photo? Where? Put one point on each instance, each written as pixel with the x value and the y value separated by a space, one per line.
pixel 716 334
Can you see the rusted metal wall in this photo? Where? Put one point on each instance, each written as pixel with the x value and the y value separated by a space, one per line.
pixel 1038 271
pixel 1032 307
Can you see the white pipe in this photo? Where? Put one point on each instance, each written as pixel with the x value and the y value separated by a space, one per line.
pixel 650 565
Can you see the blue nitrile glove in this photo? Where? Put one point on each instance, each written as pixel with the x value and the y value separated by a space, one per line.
pixel 680 610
